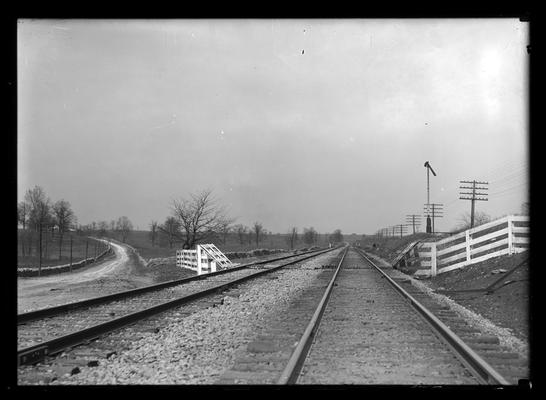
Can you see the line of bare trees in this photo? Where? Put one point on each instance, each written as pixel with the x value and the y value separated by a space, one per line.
pixel 253 234
pixel 200 217
pixel 37 213
pixel 120 228
pixel 311 237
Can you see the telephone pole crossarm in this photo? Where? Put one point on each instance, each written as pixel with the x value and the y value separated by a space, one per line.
pixel 473 195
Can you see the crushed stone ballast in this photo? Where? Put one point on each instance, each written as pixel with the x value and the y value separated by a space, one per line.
pixel 46 332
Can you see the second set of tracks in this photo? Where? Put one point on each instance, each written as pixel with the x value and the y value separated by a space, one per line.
pixel 46 332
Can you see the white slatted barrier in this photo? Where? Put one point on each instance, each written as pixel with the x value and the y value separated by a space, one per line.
pixel 206 258
pixel 473 246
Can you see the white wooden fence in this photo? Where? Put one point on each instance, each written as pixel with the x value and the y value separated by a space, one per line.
pixel 204 259
pixel 506 235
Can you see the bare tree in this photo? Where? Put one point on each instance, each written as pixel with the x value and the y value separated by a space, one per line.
pixel 225 227
pixel 39 214
pixel 480 218
pixel 153 231
pixel 309 235
pixel 102 227
pixel 200 217
pixel 525 207
pixel 336 237
pixel 292 237
pixel 257 230
pixel 112 225
pixel 49 224
pixel 23 211
pixel 64 217
pixel 171 227
pixel 124 227
pixel 249 236
pixel 241 231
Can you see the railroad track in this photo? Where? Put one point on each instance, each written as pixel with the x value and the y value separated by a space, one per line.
pixel 44 333
pixel 371 328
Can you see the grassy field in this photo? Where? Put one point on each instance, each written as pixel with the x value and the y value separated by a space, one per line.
pixel 140 240
pixel 27 248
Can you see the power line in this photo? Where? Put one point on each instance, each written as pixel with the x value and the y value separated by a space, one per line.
pixel 510 178
pixel 505 190
pixel 513 185
pixel 451 202
pixel 519 170
pixel 507 166
pixel 508 187
pixel 500 176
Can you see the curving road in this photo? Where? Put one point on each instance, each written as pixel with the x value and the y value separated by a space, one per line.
pixel 106 277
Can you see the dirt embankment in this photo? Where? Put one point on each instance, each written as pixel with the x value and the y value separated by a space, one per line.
pixel 506 304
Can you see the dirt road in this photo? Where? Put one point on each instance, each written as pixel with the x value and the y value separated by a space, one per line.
pixel 124 271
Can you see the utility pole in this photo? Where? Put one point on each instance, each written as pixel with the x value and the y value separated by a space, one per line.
pixel 436 209
pixel 429 168
pixel 473 195
pixel 414 220
pixel 402 228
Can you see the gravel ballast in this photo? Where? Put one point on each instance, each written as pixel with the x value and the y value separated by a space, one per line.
pixel 506 337
pixel 198 348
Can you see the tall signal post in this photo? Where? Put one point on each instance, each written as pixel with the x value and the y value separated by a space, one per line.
pixel 473 195
pixel 429 169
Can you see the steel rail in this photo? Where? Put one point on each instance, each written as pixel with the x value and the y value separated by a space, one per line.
pixel 293 367
pixel 37 353
pixel 52 311
pixel 478 366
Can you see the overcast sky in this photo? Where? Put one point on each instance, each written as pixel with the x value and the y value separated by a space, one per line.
pixel 323 123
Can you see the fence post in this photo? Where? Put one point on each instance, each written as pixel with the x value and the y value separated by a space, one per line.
pixel 198 254
pixel 70 253
pixel 467 242
pixel 40 250
pixel 433 259
pixel 510 235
